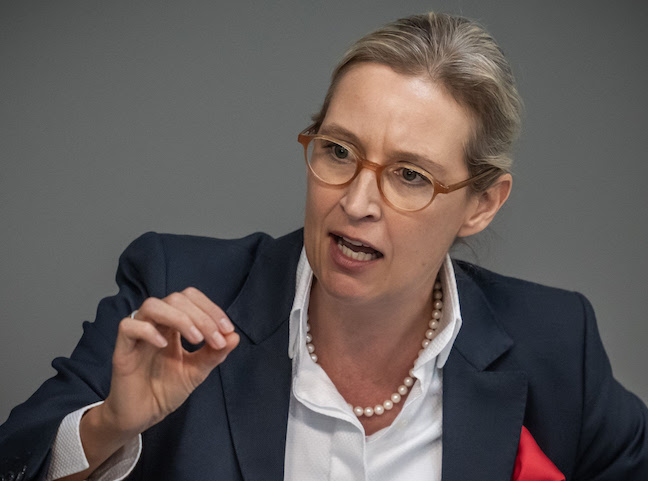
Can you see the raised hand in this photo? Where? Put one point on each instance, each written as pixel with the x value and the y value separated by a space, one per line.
pixel 152 373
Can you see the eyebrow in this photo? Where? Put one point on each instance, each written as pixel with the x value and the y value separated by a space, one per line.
pixel 337 131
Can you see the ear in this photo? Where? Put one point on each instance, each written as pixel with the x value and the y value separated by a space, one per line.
pixel 485 205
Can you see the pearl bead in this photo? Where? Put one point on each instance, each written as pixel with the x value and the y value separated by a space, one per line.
pixel 425 343
pixel 395 398
pixel 358 411
pixel 436 314
pixel 437 286
pixel 437 295
pixel 421 351
pixel 388 404
pixel 368 412
pixel 309 338
pixel 307 327
pixel 379 409
pixel 429 333
pixel 438 305
pixel 314 357
pixel 311 348
pixel 408 381
pixel 434 324
pixel 411 373
pixel 402 390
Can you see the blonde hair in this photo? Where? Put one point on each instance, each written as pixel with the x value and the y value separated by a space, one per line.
pixel 461 56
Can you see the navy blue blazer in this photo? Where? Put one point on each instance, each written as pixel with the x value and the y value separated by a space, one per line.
pixel 526 355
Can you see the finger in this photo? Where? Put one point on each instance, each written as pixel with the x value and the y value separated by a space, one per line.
pixel 161 312
pixel 204 360
pixel 213 310
pixel 132 330
pixel 205 323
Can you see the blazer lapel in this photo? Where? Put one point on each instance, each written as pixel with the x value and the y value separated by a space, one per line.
pixel 483 410
pixel 256 376
pixel 256 386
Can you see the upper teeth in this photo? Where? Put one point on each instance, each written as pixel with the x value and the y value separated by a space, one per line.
pixel 354 242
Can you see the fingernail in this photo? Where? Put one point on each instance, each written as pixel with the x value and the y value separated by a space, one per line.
pixel 161 341
pixel 226 325
pixel 218 340
pixel 196 335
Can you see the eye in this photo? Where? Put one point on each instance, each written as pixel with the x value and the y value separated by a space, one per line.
pixel 408 175
pixel 339 151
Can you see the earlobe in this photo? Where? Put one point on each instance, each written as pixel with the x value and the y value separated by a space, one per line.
pixel 485 205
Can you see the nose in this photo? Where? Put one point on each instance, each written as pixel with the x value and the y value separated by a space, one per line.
pixel 362 199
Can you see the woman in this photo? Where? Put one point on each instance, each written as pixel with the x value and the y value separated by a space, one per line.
pixel 354 349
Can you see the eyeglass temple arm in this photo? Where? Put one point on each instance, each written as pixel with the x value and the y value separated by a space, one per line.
pixel 443 189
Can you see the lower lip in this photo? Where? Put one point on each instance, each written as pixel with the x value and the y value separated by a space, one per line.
pixel 346 262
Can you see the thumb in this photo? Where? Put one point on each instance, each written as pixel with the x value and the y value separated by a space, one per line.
pixel 205 359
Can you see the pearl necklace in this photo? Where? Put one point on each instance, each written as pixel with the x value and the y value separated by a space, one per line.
pixel 408 382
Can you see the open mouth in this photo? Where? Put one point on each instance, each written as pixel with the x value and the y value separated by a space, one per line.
pixel 356 249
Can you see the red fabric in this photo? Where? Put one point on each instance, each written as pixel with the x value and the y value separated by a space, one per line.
pixel 531 464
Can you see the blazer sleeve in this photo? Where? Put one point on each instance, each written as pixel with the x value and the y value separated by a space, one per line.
pixel 84 378
pixel 613 441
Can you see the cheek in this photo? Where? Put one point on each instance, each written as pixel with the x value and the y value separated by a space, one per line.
pixel 430 237
pixel 320 200
pixel 312 208
pixel 310 221
pixel 318 205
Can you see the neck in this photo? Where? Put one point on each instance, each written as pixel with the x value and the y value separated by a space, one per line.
pixel 369 336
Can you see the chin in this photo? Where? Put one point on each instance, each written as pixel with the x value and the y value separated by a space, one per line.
pixel 346 289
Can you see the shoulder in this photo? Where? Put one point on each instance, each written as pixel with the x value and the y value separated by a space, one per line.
pixel 172 262
pixel 531 313
pixel 192 246
pixel 190 250
pixel 505 292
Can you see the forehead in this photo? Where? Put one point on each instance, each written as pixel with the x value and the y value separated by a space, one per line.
pixel 389 112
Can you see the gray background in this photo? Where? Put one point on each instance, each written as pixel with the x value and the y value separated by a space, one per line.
pixel 121 117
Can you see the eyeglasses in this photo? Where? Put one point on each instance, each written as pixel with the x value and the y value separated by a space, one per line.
pixel 402 185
